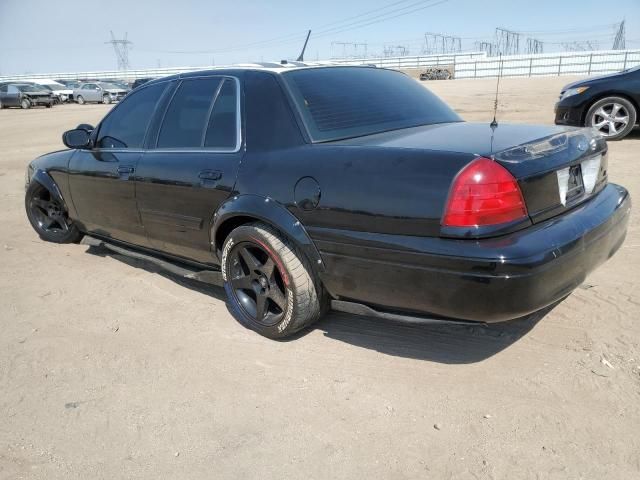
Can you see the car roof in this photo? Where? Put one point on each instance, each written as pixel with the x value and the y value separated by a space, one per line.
pixel 277 68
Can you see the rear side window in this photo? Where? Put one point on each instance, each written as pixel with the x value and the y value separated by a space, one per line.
pixel 126 126
pixel 342 102
pixel 222 127
pixel 188 113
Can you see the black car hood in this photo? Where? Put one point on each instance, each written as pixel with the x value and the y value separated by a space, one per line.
pixel 593 80
pixel 463 137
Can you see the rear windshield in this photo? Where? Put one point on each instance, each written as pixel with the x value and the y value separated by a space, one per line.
pixel 343 102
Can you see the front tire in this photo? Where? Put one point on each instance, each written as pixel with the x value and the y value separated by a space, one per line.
pixel 613 117
pixel 106 99
pixel 270 285
pixel 25 104
pixel 80 100
pixel 47 216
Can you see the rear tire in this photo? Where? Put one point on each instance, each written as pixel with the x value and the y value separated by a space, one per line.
pixel 106 99
pixel 47 216
pixel 613 117
pixel 262 267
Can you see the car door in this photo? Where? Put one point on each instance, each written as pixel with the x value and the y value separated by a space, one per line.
pixel 12 97
pixel 89 92
pixel 101 179
pixel 192 166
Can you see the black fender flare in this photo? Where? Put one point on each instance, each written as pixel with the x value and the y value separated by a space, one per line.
pixel 267 210
pixel 44 179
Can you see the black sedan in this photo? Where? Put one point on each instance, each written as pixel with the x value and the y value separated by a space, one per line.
pixel 353 188
pixel 610 103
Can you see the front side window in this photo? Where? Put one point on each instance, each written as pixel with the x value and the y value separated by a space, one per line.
pixel 126 126
pixel 343 102
pixel 186 118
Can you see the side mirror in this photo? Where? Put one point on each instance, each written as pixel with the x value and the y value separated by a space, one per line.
pixel 76 138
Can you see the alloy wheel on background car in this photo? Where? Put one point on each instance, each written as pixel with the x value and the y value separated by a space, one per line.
pixel 610 119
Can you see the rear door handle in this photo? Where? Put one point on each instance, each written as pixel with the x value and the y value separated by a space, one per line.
pixel 209 178
pixel 124 171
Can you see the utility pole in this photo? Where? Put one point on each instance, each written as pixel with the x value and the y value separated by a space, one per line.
pixel 121 47
pixel 619 41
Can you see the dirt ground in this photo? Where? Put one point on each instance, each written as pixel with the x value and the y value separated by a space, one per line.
pixel 110 369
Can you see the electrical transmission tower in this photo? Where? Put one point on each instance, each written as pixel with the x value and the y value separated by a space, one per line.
pixel 619 41
pixel 350 49
pixel 436 43
pixel 488 47
pixel 534 46
pixel 584 46
pixel 121 47
pixel 507 42
pixel 395 51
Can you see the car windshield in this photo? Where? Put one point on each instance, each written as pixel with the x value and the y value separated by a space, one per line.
pixel 344 102
pixel 29 88
pixel 56 86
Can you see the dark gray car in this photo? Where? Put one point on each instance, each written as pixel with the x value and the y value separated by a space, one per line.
pixel 24 95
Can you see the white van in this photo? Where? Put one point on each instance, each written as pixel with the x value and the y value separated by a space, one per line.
pixel 60 92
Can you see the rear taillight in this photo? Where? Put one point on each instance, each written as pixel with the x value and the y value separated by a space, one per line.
pixel 483 193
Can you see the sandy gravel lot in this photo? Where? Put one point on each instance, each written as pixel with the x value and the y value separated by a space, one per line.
pixel 110 369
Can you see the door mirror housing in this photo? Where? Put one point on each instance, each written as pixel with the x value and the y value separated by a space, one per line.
pixel 76 138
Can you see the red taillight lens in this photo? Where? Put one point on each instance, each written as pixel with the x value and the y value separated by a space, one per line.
pixel 483 193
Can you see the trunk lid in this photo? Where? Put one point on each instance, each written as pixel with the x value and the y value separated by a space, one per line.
pixel 557 167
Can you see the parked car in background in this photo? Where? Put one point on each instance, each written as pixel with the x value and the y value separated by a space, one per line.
pixel 610 104
pixel 71 85
pixel 140 81
pixel 24 95
pixel 98 92
pixel 60 92
pixel 356 188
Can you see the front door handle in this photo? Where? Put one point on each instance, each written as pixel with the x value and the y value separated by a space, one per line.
pixel 209 178
pixel 125 170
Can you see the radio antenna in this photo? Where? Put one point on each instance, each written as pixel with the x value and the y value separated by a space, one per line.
pixel 494 122
pixel 301 56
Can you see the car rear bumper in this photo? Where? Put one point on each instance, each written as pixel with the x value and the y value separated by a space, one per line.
pixel 486 280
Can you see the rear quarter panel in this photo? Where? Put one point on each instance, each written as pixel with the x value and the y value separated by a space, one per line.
pixel 372 189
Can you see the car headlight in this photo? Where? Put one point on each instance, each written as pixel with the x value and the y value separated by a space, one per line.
pixel 573 91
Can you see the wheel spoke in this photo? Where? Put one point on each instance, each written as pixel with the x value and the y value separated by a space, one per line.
pixel 612 128
pixel 249 258
pixel 62 221
pixel 600 112
pixel 268 268
pixel 42 204
pixel 614 110
pixel 242 282
pixel 261 306
pixel 624 119
pixel 278 298
pixel 600 124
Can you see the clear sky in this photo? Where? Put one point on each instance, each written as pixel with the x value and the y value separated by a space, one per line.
pixel 40 36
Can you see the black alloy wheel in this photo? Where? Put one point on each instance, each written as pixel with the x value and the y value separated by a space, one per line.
pixel 48 217
pixel 270 285
pixel 257 283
